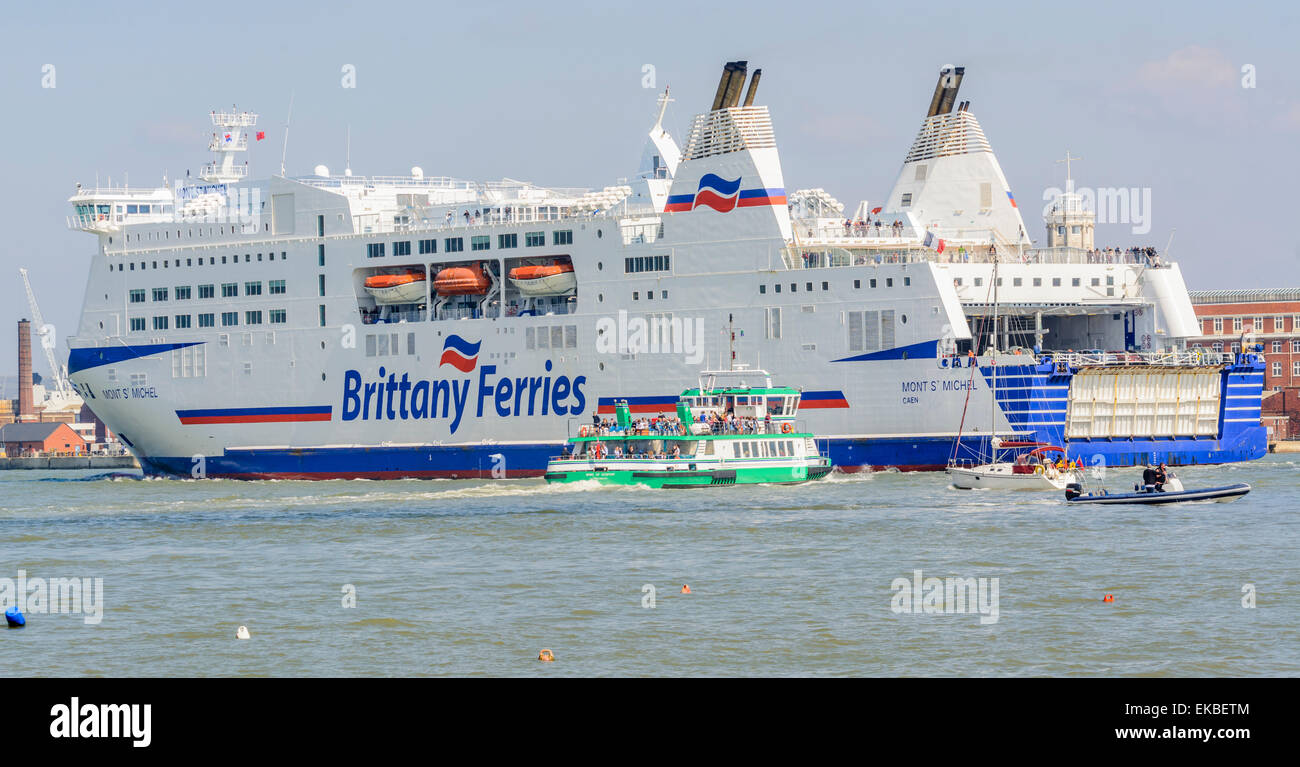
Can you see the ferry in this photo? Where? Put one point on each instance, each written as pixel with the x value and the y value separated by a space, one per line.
pixel 720 434
pixel 277 327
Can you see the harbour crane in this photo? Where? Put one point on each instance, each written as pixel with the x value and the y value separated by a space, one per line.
pixel 61 384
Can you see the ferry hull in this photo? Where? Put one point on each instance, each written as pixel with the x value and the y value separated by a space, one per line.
pixel 514 461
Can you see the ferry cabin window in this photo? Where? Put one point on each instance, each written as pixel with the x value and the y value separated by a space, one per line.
pixel 137 323
pixel 229 289
pixel 762 289
pixel 275 287
pixel 207 320
pixel 320 279
pixel 857 284
pixel 1056 282
pixel 562 237
pixel 320 226
pixel 808 287
pixel 426 246
pixel 979 281
pixel 320 255
pixel 480 242
pixel 1038 282
pixel 907 281
pixel 873 282
pixel 160 323
pixel 137 296
pixel 889 282
pixel 182 321
pixel 229 318
pixel 252 288
pixel 322 315
pixel 534 239
pixel 207 291
pixel 907 200
pixel 375 250
pixel 402 248
pixel 1096 281
pixel 253 318
pixel 279 316
pixel 826 286
pixel 1016 281
pixel 777 287
pixel 182 292
pixel 507 240
pixel 453 245
pixel 1074 282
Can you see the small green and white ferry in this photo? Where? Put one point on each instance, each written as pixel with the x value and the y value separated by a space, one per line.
pixel 722 433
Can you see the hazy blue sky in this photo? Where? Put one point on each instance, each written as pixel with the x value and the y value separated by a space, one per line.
pixel 1150 96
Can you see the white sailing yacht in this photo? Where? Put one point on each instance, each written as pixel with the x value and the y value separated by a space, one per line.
pixel 1046 467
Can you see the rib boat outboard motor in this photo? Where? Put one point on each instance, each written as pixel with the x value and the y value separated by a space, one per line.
pixel 1073 490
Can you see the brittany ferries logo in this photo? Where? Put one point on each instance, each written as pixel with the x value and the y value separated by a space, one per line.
pixel 459 353
pixel 403 395
pixel 723 196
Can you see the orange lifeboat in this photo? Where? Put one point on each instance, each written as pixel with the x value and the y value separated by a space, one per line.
pixel 404 288
pixel 461 281
pixel 539 280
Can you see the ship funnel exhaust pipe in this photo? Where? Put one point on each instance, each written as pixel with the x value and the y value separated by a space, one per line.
pixel 727 72
pixel 735 85
pixel 753 87
pixel 938 93
pixel 950 82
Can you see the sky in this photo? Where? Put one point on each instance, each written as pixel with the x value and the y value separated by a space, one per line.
pixel 1197 102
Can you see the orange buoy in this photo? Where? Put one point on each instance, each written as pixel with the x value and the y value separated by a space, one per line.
pixel 546 656
pixel 1108 598
pixel 686 589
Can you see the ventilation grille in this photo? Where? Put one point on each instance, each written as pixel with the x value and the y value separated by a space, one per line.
pixel 729 130
pixel 946 135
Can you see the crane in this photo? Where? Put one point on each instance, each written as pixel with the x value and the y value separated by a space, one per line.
pixel 56 370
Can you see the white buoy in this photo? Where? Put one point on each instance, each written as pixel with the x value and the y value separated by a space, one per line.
pixel 242 633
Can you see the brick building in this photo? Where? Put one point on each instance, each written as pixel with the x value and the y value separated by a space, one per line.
pixel 19 439
pixel 1270 318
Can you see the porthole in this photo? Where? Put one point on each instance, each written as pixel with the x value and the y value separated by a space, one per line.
pixel 600 297
pixel 322 344
pixel 904 319
pixel 600 233
pixel 600 266
pixel 322 376
pixel 602 366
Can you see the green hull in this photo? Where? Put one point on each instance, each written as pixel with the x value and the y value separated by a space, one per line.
pixel 771 475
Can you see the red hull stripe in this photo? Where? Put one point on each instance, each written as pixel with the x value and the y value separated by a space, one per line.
pixel 255 415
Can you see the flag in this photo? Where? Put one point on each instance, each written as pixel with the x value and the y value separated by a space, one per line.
pixel 934 243
pixel 1012 199
pixel 227 138
pixel 876 210
pixel 261 135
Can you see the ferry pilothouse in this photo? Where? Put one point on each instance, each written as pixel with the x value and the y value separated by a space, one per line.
pixel 335 326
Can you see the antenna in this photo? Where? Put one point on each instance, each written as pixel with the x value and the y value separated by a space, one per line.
pixel 1169 245
pixel 284 152
pixel 347 168
pixel 1069 180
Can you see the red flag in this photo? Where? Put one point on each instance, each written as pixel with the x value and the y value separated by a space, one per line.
pixel 876 210
pixel 261 135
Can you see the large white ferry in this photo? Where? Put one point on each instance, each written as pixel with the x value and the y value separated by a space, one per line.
pixel 345 326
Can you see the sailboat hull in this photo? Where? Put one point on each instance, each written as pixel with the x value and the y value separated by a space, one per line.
pixel 1001 476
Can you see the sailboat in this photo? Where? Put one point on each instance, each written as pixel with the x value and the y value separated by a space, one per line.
pixel 1045 467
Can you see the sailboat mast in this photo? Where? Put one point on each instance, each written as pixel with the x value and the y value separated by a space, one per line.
pixel 993 360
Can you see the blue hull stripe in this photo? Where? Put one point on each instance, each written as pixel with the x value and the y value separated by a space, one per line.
pixel 94 356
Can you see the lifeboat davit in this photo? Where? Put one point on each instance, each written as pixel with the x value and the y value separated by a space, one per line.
pixel 461 281
pixel 404 288
pixel 552 280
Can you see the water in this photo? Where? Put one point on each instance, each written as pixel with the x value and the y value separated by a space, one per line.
pixel 473 578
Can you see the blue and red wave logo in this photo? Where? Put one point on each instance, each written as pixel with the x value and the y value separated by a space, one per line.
pixel 723 196
pixel 459 353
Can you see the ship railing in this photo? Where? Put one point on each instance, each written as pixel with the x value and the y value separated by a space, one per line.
pixel 865 251
pixel 213 169
pixel 1181 357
